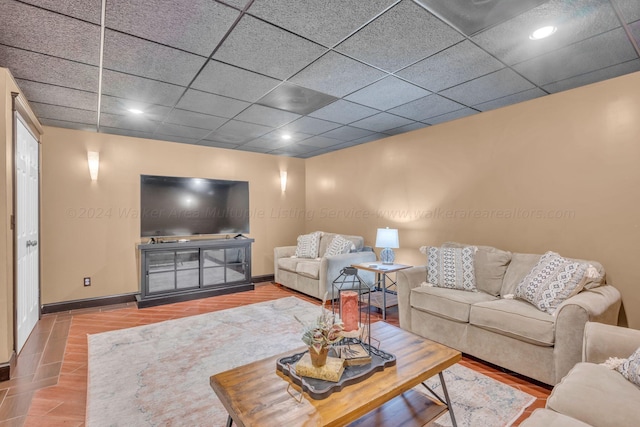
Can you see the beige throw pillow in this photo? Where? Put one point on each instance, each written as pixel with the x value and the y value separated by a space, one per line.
pixel 451 268
pixel 308 245
pixel 339 245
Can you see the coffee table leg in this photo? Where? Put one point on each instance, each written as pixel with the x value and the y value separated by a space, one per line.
pixel 230 421
pixel 449 403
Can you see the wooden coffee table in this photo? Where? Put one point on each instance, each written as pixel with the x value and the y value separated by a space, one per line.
pixel 258 394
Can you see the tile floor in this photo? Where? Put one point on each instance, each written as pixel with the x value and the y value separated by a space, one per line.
pixel 49 385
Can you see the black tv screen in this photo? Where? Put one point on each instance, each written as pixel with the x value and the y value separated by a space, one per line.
pixel 176 206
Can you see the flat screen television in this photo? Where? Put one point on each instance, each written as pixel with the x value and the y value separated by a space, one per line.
pixel 177 206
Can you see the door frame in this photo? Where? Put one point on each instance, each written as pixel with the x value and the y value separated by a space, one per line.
pixel 20 106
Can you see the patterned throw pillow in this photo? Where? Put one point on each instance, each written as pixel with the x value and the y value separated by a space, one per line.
pixel 451 268
pixel 339 245
pixel 551 281
pixel 308 245
pixel 630 368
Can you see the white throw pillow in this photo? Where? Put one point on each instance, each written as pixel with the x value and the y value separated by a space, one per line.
pixel 308 245
pixel 630 368
pixel 451 268
pixel 339 245
pixel 551 281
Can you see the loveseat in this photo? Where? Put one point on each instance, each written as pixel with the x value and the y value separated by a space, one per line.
pixel 492 324
pixel 313 272
pixel 592 394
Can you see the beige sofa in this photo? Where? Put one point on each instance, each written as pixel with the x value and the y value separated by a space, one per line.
pixel 314 277
pixel 510 333
pixel 592 394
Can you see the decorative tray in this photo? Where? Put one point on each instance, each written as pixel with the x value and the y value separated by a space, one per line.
pixel 321 389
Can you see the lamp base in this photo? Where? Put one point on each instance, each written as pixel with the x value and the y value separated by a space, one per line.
pixel 387 256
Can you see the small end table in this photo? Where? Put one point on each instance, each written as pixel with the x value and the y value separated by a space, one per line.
pixel 382 270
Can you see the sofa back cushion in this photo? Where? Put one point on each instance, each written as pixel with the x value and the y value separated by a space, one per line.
pixel 326 239
pixel 490 267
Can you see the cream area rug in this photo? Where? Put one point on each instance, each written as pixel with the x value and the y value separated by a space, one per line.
pixel 158 374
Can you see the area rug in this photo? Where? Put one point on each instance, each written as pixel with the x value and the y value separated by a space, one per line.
pixel 158 374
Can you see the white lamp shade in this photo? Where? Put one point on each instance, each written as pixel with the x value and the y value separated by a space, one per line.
pixel 387 238
pixel 93 158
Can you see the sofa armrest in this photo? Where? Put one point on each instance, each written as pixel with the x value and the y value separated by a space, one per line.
pixel 281 252
pixel 601 304
pixel 603 341
pixel 331 266
pixel 408 279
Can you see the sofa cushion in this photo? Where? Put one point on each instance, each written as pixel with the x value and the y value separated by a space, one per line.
pixel 448 303
pixel 451 268
pixel 308 268
pixel 597 396
pixel 490 266
pixel 551 281
pixel 339 245
pixel 288 264
pixel 516 319
pixel 308 245
pixel 542 417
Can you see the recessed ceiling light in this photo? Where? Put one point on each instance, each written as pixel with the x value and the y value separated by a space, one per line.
pixel 286 136
pixel 135 111
pixel 543 32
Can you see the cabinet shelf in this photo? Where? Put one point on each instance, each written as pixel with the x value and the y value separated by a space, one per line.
pixel 171 272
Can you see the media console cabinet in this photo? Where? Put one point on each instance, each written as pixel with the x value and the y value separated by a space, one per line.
pixel 181 271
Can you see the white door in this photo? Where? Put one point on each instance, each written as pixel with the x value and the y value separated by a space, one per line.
pixel 27 239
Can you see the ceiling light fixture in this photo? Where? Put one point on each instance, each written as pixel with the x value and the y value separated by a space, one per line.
pixel 135 111
pixel 542 32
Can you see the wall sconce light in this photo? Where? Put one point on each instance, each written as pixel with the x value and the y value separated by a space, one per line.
pixel 93 158
pixel 283 180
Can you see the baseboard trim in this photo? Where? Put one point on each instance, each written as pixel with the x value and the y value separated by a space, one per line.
pixel 264 278
pixel 6 368
pixel 57 307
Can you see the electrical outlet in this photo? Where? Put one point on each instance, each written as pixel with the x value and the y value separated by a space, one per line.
pixel 87 281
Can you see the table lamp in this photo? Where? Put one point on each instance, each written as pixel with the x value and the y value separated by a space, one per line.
pixel 387 238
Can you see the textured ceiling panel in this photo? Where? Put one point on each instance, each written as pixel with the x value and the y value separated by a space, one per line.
pixel 87 10
pixel 387 93
pixel 296 99
pixel 576 20
pixel 266 116
pixel 429 106
pixel 131 55
pixel 47 69
pixel 325 22
pixel 592 54
pixel 208 103
pixel 310 126
pixel 400 37
pixel 193 119
pixel 234 82
pixel 337 75
pixel 381 122
pixel 140 89
pixel 265 49
pixel 344 112
pixel 452 66
pixel 330 73
pixel 31 28
pixel 347 133
pixel 201 23
pixel 49 94
pixel 495 85
pixel 235 132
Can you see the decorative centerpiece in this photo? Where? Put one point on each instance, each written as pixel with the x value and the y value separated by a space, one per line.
pixel 320 335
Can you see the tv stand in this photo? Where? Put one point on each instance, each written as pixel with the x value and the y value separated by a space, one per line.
pixel 181 271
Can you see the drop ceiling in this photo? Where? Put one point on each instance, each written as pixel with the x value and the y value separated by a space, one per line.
pixel 329 74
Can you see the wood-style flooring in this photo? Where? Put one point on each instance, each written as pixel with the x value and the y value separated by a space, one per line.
pixel 49 385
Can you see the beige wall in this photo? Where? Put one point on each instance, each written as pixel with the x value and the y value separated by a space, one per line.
pixel 556 173
pixel 91 228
